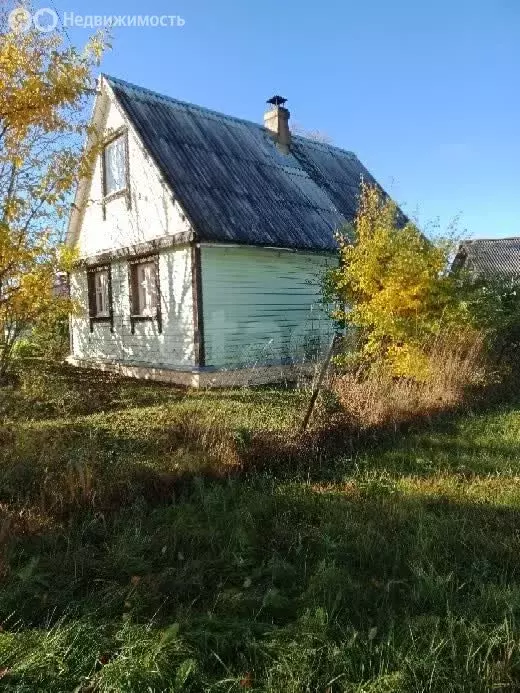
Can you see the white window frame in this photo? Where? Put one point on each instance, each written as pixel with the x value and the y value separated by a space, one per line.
pixel 145 286
pixel 102 293
pixel 121 140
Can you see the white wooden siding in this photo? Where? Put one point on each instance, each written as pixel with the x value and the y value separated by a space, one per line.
pixel 173 348
pixel 153 212
pixel 262 305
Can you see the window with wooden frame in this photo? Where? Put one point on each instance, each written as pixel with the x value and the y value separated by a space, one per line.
pixel 99 282
pixel 145 291
pixel 115 168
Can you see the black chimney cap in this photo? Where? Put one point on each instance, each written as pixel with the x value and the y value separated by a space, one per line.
pixel 277 100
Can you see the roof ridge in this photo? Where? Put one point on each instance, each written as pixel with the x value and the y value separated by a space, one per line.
pixel 172 99
pixel 220 114
pixel 495 240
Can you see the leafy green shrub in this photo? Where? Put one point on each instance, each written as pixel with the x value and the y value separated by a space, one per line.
pixel 48 339
pixel 494 304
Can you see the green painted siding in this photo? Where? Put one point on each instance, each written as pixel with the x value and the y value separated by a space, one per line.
pixel 262 306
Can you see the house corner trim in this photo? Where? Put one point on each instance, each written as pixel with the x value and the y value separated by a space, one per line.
pixel 198 312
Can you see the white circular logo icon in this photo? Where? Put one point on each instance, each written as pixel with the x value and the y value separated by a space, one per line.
pixel 45 20
pixel 20 20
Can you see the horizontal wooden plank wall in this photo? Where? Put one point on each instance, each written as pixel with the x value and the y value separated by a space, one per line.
pixel 171 347
pixel 262 305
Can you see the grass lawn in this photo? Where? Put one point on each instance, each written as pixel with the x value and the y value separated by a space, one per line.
pixel 394 566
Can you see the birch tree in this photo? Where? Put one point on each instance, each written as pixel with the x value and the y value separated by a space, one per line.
pixel 45 87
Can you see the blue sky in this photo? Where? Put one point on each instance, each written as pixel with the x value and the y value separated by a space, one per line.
pixel 427 94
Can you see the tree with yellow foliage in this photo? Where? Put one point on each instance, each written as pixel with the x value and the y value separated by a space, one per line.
pixel 45 85
pixel 394 287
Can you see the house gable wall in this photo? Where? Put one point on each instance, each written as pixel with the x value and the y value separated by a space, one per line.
pixel 153 211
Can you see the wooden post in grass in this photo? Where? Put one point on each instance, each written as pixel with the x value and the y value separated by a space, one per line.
pixel 319 383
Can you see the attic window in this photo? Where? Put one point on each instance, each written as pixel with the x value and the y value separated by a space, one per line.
pixel 115 165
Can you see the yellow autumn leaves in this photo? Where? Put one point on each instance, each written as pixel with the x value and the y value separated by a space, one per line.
pixel 393 285
pixel 40 76
pixel 45 87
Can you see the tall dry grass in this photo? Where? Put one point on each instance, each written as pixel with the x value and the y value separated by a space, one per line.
pixel 458 369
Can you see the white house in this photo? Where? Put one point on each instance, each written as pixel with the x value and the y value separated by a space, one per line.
pixel 202 241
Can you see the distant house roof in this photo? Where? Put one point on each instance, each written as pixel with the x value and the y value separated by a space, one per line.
pixel 491 256
pixel 234 183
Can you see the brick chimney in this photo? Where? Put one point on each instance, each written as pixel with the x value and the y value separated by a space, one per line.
pixel 276 120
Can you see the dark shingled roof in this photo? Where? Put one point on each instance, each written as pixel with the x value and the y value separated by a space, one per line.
pixel 491 256
pixel 235 184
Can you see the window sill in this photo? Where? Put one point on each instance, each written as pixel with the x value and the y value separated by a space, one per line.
pixel 144 318
pixel 119 194
pixel 114 195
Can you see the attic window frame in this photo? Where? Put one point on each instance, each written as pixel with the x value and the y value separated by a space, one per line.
pixel 122 133
pixel 135 317
pixel 94 318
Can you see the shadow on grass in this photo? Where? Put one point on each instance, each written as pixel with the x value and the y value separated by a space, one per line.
pixel 292 585
pixel 272 575
pixel 104 466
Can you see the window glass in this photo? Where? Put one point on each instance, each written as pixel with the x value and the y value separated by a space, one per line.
pixel 115 166
pixel 146 289
pixel 101 291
